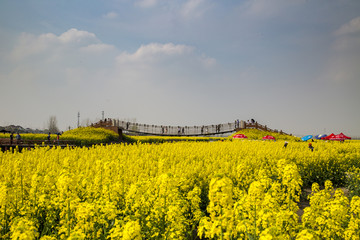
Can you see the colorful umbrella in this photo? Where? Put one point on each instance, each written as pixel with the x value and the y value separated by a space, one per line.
pixel 319 136
pixel 307 137
pixel 240 136
pixel 322 136
pixel 268 137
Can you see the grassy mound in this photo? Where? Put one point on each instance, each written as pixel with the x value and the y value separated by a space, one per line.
pixel 256 134
pixel 90 135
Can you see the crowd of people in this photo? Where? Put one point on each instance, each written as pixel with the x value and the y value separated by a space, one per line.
pixel 17 137
pixel 171 130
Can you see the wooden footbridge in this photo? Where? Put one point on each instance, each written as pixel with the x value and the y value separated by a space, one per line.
pixel 131 128
pixel 6 144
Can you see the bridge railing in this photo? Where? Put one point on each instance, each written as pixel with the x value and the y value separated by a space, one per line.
pixel 131 127
pixel 176 130
pixel 168 130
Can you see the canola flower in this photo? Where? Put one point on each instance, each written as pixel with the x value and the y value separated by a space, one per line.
pixel 182 190
pixel 162 139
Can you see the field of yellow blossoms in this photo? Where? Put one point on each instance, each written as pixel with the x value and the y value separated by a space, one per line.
pixel 241 189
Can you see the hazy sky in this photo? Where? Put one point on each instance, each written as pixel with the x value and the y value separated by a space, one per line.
pixel 290 64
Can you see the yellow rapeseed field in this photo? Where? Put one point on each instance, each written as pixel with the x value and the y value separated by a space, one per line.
pixel 183 190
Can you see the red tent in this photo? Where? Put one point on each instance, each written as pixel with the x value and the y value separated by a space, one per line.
pixel 328 137
pixel 334 137
pixel 268 137
pixel 240 136
pixel 339 137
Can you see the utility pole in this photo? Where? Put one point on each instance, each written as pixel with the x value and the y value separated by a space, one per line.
pixel 103 115
pixel 78 119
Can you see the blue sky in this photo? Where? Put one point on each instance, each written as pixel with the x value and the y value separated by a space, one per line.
pixel 292 65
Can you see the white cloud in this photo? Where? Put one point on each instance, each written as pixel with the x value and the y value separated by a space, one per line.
pixel 154 51
pixel 74 35
pixel 111 15
pixel 71 40
pixel 158 66
pixel 351 27
pixel 156 55
pixel 68 59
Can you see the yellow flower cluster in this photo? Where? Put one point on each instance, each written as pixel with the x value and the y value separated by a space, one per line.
pixel 182 190
pixel 266 211
pixel 330 216
pixel 353 181
pixel 162 139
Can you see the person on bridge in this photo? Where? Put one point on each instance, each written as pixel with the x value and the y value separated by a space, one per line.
pixel 11 138
pixel 58 137
pixel 18 138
